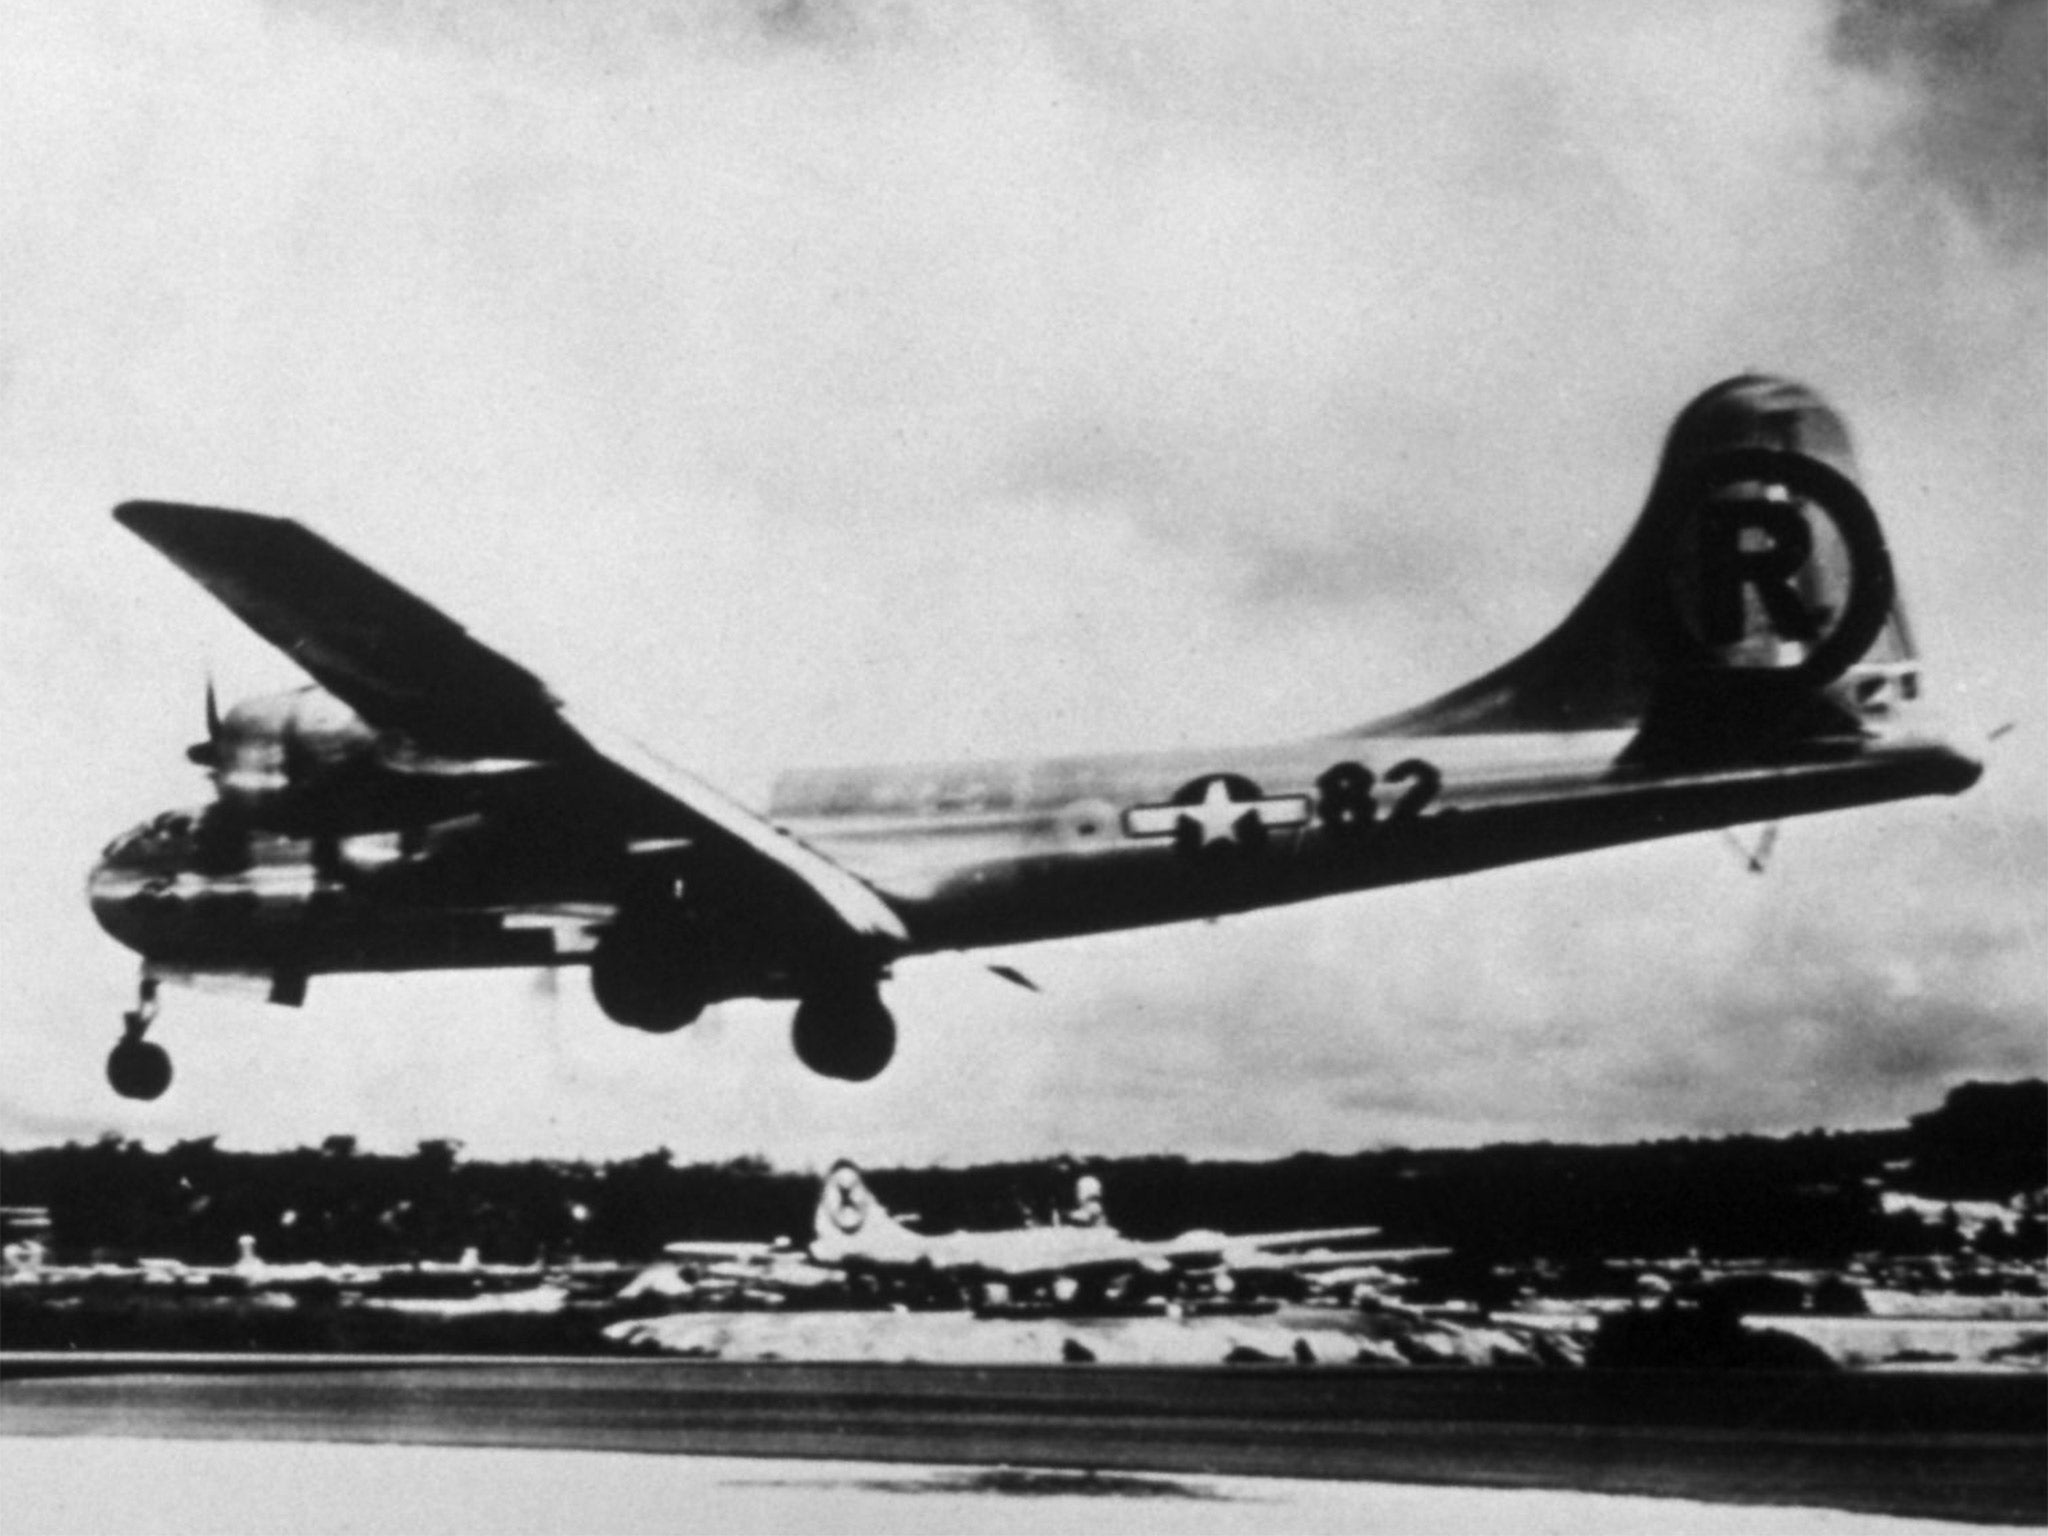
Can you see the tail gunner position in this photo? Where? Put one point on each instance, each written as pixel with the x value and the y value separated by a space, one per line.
pixel 431 805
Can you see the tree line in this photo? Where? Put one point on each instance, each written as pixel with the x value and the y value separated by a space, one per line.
pixel 1810 1196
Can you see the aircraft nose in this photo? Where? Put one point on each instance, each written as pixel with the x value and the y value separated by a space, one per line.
pixel 113 893
pixel 121 883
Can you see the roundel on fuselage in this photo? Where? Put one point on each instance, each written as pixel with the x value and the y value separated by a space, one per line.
pixel 1775 568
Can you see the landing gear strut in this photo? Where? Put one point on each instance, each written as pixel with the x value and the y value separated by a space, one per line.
pixel 138 1068
pixel 845 1032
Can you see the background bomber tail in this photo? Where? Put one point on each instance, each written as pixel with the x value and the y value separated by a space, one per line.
pixel 848 1208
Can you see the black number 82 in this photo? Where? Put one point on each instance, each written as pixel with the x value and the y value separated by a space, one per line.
pixel 1344 795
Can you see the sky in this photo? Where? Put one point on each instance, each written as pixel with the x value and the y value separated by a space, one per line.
pixel 813 383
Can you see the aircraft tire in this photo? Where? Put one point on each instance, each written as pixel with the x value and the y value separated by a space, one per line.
pixel 139 1069
pixel 845 1034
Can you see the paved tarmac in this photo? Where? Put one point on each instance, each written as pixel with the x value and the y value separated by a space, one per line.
pixel 1935 1445
pixel 112 1487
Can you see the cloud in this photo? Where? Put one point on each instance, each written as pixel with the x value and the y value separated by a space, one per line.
pixel 1976 123
pixel 832 382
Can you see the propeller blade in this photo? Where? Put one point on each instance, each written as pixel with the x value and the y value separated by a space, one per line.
pixel 1758 858
pixel 1763 849
pixel 1014 976
pixel 206 754
pixel 546 987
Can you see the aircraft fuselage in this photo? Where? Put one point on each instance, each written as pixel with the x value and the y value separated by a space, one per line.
pixel 1012 852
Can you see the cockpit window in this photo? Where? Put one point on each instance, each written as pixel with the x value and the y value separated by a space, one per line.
pixel 162 834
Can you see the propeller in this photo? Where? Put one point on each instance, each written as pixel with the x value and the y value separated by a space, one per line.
pixel 223 835
pixel 207 753
pixel 545 989
pixel 1759 857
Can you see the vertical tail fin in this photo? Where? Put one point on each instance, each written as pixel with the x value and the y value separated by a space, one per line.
pixel 1087 1211
pixel 848 1211
pixel 1755 587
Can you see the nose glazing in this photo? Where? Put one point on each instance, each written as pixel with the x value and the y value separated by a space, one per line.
pixel 134 875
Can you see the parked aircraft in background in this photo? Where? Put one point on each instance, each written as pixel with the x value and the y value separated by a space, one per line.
pixel 1079 1259
pixel 24 1221
pixel 465 1287
pixel 30 1269
pixel 738 1274
pixel 430 804
pixel 1325 1275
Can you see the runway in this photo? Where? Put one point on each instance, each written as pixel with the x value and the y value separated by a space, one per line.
pixel 1954 1447
pixel 167 1488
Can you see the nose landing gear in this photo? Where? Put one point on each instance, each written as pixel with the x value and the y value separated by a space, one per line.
pixel 139 1068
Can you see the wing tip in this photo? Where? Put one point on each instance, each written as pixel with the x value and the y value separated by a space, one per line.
pixel 165 523
pixel 130 514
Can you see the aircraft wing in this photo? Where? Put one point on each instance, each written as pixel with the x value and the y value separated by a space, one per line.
pixel 711 1251
pixel 1191 1246
pixel 404 666
pixel 1318 1261
pixel 394 659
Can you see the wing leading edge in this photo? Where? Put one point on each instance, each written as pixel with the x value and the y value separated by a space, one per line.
pixel 406 667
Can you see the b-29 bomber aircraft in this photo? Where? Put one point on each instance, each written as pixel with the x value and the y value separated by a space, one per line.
pixel 430 804
pixel 1075 1260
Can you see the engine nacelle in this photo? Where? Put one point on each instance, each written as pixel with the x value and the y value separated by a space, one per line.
pixel 302 763
pixel 268 756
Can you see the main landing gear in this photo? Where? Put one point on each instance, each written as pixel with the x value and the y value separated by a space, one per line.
pixel 844 1031
pixel 648 979
pixel 139 1068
